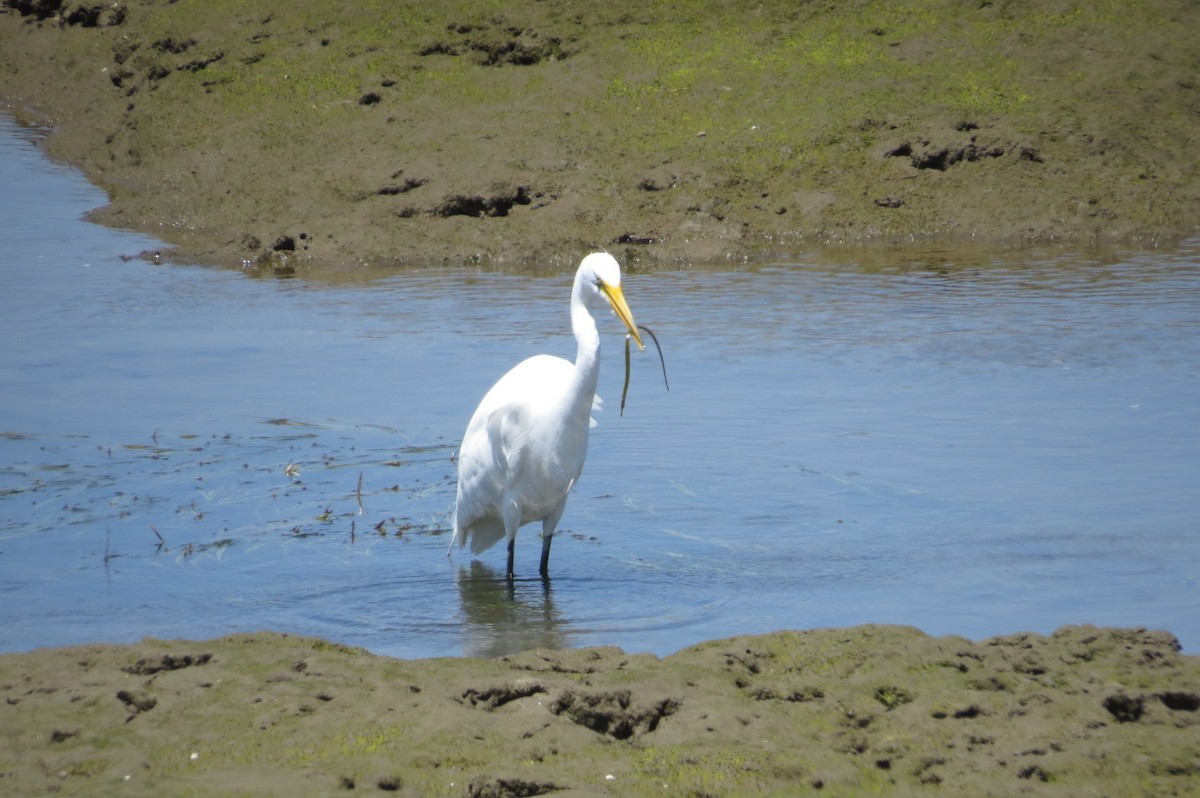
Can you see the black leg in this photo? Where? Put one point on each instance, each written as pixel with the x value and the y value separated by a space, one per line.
pixel 511 546
pixel 544 568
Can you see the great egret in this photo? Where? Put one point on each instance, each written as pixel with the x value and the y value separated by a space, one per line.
pixel 525 445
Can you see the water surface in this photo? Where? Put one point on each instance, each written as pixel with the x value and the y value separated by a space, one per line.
pixel 968 442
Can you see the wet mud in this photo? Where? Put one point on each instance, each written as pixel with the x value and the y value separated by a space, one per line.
pixel 460 134
pixel 1085 711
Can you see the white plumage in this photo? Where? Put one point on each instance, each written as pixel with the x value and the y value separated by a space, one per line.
pixel 526 442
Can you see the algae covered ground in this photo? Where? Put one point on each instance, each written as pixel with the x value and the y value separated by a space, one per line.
pixel 331 134
pixel 861 711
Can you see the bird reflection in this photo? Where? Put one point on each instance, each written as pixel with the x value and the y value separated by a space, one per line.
pixel 505 616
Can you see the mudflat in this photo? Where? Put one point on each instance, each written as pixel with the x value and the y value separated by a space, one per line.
pixel 323 134
pixel 847 712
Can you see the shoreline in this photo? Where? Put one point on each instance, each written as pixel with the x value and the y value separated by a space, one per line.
pixel 320 138
pixel 1084 711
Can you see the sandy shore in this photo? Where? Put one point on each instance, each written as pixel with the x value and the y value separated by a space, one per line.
pixel 319 134
pixel 868 710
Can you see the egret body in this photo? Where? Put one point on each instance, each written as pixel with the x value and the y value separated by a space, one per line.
pixel 525 445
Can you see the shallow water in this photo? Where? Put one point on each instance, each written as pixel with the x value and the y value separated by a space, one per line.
pixel 975 443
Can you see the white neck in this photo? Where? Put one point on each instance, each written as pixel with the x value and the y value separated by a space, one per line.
pixel 587 354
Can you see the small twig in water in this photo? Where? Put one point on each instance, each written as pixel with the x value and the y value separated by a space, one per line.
pixel 358 494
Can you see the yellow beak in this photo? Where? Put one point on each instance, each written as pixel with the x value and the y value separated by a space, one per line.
pixel 616 298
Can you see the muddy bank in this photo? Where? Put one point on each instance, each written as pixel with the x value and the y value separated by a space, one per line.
pixel 1085 711
pixel 323 134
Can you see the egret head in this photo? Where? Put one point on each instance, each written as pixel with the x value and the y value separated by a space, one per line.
pixel 600 275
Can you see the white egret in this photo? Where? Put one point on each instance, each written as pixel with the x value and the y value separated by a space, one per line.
pixel 525 445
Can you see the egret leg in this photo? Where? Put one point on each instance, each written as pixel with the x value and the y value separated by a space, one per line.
pixel 544 568
pixel 512 523
pixel 549 524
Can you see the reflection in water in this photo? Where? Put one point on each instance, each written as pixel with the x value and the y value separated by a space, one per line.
pixel 503 616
